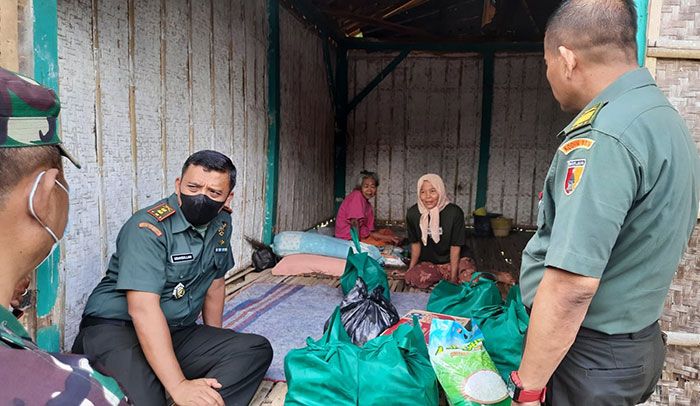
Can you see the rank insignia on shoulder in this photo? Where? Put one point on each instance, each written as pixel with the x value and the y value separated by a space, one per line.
pixel 222 230
pixel 576 143
pixel 155 230
pixel 161 212
pixel 585 117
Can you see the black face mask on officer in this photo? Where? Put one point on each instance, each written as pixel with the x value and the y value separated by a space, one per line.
pixel 199 209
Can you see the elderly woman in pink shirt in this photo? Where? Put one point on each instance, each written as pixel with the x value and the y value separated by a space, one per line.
pixel 356 211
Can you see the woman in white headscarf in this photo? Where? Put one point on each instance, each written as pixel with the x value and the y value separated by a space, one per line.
pixel 437 236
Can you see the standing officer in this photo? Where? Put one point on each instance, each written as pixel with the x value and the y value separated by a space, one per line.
pixel 33 217
pixel 619 203
pixel 170 262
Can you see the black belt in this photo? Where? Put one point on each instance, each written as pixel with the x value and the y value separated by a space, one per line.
pixel 590 333
pixel 89 321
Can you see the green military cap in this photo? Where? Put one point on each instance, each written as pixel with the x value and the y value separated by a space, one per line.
pixel 28 114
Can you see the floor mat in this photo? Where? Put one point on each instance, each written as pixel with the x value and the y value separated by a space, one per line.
pixel 288 314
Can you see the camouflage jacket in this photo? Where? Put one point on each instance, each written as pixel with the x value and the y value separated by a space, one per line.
pixel 31 376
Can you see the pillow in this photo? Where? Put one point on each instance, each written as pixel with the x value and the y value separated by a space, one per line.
pixel 304 264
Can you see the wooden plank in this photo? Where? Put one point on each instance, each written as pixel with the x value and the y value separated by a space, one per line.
pixel 112 36
pixel 239 139
pixel 673 53
pixel 653 32
pixel 147 93
pixel 82 260
pixel 277 395
pixel 222 114
pixel 177 116
pixel 261 394
pixel 9 35
pixel 200 72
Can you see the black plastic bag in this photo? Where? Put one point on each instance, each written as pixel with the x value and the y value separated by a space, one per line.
pixel 264 258
pixel 365 316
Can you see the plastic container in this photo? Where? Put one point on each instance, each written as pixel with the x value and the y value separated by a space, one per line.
pixel 501 226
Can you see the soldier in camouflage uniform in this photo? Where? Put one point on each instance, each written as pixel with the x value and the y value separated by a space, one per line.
pixel 33 217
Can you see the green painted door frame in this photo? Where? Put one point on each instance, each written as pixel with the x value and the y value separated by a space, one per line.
pixel 45 54
pixel 273 120
pixel 642 17
pixel 482 181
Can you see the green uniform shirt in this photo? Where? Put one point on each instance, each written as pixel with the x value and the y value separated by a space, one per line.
pixel 452 233
pixel 619 203
pixel 158 250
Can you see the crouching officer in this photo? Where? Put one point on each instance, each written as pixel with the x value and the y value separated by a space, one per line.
pixel 33 217
pixel 169 265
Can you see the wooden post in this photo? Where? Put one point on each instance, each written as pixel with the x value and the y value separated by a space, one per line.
pixel 9 35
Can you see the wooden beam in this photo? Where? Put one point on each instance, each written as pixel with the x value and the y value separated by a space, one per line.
pixel 377 22
pixel 653 32
pixel 326 26
pixel 377 80
pixel 488 69
pixel 370 45
pixel 673 53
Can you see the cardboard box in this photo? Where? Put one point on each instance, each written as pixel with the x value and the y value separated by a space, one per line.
pixel 425 318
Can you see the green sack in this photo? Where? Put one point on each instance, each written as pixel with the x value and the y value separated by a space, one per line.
pixel 460 300
pixel 362 265
pixel 396 370
pixel 392 369
pixel 504 328
pixel 325 371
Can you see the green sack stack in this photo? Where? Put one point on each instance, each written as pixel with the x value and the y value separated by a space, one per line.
pixel 362 265
pixel 388 370
pixel 460 300
pixel 504 327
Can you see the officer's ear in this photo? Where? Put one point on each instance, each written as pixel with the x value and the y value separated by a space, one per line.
pixel 229 199
pixel 570 61
pixel 41 200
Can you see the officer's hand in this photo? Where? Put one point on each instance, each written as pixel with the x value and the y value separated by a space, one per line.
pixel 197 392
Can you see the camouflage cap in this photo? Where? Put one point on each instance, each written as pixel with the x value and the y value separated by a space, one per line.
pixel 28 114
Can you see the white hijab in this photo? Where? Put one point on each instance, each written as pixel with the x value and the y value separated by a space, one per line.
pixel 430 219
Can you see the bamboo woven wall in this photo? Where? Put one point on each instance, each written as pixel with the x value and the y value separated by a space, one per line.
pixel 526 121
pixel 680 79
pixel 143 84
pixel 305 191
pixel 426 117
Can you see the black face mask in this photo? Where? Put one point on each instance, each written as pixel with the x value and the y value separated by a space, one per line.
pixel 199 209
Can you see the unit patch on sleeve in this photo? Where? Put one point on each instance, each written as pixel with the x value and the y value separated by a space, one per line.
pixel 161 212
pixel 576 143
pixel 151 227
pixel 574 172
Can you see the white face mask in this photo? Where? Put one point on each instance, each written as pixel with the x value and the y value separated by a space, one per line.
pixel 53 235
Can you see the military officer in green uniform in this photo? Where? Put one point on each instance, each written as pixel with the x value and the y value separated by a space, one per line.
pixel 169 266
pixel 33 217
pixel 619 203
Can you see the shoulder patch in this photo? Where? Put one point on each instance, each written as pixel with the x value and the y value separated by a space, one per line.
pixel 151 227
pixel 576 143
pixel 574 173
pixel 161 212
pixel 586 117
